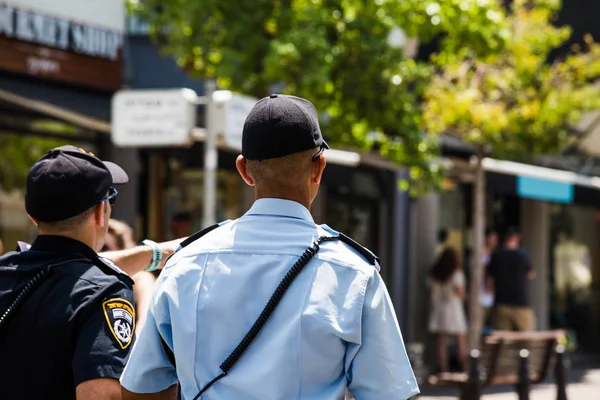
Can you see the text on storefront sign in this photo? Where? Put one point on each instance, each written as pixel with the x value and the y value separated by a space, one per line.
pixel 53 32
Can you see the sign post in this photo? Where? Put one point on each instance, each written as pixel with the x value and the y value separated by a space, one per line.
pixel 211 159
pixel 167 118
pixel 229 111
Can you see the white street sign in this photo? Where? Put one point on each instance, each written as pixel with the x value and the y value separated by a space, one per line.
pixel 228 114
pixel 146 118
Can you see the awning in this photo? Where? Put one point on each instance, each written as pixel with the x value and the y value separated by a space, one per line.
pixel 87 109
pixel 529 181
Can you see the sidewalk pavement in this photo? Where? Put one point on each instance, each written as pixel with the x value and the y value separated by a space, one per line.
pixel 583 385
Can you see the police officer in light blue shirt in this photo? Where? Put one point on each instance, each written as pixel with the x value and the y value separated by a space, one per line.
pixel 272 306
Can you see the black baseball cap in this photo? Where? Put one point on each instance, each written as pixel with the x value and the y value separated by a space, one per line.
pixel 281 125
pixel 66 181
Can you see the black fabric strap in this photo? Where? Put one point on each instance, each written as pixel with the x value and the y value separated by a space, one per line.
pixel 198 235
pixel 168 351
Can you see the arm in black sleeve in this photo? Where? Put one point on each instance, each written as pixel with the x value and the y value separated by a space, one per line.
pixel 492 266
pixel 527 260
pixel 105 334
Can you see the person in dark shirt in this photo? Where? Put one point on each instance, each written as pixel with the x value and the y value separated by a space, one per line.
pixel 509 273
pixel 67 316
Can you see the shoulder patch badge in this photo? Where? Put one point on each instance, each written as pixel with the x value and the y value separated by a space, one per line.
pixel 120 316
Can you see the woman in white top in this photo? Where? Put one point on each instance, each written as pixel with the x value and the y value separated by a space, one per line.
pixel 447 288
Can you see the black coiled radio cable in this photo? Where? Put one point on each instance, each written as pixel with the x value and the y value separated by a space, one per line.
pixel 268 310
pixel 32 284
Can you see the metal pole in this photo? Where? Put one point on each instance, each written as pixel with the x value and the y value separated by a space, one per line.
pixel 210 159
pixel 471 390
pixel 523 384
pixel 560 373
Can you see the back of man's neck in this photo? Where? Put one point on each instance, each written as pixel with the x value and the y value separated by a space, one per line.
pixel 297 199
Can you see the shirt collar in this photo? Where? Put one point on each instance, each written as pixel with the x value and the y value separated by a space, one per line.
pixel 281 208
pixel 61 244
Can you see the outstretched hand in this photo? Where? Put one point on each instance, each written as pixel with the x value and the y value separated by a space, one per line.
pixel 169 248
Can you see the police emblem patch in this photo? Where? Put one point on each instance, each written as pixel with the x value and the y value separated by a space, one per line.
pixel 120 317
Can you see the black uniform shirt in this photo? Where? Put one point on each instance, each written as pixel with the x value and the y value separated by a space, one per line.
pixel 76 325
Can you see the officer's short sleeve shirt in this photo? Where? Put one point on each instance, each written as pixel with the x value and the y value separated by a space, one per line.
pixel 76 325
pixel 335 327
pixel 104 334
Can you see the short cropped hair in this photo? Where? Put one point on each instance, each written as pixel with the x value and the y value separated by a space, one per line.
pixel 68 224
pixel 289 171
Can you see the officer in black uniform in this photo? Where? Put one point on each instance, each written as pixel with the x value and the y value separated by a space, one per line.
pixel 67 316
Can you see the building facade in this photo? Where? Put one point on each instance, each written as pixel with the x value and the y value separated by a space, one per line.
pixel 59 66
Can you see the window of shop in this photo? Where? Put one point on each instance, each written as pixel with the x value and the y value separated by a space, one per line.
pixel 574 256
pixel 185 197
pixel 452 218
pixel 18 152
pixel 353 207
pixel 358 219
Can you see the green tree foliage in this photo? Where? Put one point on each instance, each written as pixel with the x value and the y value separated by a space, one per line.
pixel 516 103
pixel 333 52
pixel 18 151
pixel 17 155
pixel 512 104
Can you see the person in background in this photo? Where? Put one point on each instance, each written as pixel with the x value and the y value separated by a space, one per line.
pixel 509 274
pixel 486 298
pixel 442 241
pixel 181 224
pixel 447 318
pixel 120 237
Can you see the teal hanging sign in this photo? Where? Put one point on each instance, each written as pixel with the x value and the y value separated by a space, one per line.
pixel 543 189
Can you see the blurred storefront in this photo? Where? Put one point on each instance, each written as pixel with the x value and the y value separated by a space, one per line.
pixel 556 212
pixel 59 65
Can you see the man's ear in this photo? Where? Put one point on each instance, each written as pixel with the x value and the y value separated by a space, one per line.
pixel 242 168
pixel 318 167
pixel 33 219
pixel 100 211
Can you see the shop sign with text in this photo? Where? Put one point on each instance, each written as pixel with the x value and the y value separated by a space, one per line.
pixel 59 49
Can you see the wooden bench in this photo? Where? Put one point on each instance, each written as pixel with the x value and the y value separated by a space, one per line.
pixel 518 358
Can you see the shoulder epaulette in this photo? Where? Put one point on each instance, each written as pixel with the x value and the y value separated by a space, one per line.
pixel 193 238
pixel 198 235
pixel 109 267
pixel 366 253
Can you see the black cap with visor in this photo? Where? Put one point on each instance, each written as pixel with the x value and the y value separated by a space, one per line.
pixel 66 181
